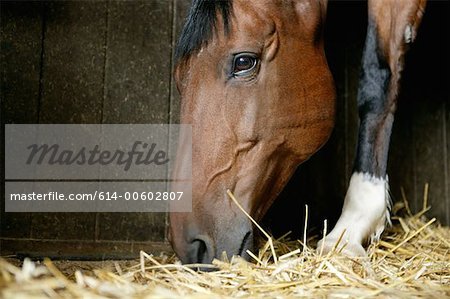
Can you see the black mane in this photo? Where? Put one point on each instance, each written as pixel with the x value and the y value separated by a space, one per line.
pixel 201 24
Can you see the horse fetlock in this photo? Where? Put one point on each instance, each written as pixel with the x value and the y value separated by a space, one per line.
pixel 363 216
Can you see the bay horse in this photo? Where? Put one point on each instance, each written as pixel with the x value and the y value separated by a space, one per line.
pixel 256 87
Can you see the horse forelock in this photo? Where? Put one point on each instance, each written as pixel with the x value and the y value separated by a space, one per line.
pixel 200 25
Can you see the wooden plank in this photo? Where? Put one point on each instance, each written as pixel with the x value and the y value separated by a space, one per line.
pixel 84 250
pixel 74 58
pixel 428 83
pixel 429 151
pixel 21 44
pixel 72 92
pixel 434 61
pixel 131 227
pixel 138 62
pixel 21 32
pixel 137 84
pixel 447 176
pixel 180 11
pixel 444 77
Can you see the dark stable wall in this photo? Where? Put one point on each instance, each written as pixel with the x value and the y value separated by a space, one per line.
pixel 111 62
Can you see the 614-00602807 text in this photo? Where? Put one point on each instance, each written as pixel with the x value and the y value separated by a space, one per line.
pixel 102 195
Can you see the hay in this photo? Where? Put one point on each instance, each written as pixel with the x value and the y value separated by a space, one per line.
pixel 411 260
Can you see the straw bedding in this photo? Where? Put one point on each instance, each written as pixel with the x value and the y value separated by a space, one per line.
pixel 412 260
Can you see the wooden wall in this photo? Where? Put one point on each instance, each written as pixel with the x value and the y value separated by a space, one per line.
pixel 111 61
pixel 87 62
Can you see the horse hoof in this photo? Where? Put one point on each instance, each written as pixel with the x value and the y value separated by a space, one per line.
pixel 349 249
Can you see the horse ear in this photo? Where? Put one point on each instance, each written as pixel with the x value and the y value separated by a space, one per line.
pixel 306 8
pixel 312 15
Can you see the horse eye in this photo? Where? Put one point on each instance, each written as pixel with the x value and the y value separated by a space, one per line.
pixel 243 64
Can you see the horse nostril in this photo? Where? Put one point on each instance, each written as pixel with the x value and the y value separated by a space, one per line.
pixel 247 243
pixel 201 252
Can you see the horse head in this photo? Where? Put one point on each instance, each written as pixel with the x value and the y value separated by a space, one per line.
pixel 256 87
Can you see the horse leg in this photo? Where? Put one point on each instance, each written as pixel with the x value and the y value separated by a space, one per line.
pixel 392 26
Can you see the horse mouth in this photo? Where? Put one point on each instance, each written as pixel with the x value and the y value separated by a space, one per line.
pixel 246 244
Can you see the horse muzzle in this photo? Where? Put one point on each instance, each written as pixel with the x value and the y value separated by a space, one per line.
pixel 201 246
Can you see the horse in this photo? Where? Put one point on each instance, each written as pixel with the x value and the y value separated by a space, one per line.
pixel 255 85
